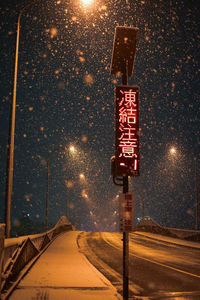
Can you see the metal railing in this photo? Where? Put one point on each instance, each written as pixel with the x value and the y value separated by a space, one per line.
pixel 18 252
pixel 147 224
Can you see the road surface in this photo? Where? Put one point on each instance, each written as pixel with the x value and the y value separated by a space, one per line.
pixel 157 268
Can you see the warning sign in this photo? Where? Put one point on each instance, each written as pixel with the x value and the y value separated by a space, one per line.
pixel 126 212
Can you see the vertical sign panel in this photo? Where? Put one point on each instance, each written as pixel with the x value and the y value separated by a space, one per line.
pixel 127 131
pixel 126 212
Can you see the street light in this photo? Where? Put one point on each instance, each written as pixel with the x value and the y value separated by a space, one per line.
pixel 9 179
pixel 87 2
pixel 10 152
pixel 47 188
pixel 82 176
pixel 71 149
pixel 173 152
pixel 68 184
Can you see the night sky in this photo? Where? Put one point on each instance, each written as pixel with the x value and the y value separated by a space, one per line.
pixel 65 97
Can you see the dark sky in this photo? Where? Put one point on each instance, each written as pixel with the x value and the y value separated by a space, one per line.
pixel 65 96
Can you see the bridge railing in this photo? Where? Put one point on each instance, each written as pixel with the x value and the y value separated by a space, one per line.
pixel 20 251
pixel 149 225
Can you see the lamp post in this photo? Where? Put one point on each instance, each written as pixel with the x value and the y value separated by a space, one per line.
pixel 10 152
pixel 66 205
pixel 47 188
pixel 47 192
pixel 71 149
pixel 10 158
pixel 173 151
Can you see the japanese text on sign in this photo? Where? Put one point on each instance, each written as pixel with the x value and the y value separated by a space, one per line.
pixel 127 127
pixel 126 212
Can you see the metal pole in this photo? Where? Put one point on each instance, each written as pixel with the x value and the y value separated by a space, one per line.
pixel 125 234
pixel 125 250
pixel 10 159
pixel 9 183
pixel 66 212
pixel 196 194
pixel 47 192
pixel 47 187
pixel 142 203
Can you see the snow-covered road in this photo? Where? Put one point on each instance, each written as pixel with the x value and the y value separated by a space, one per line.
pixel 158 266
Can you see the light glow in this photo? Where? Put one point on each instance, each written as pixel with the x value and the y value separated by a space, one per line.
pixel 87 2
pixel 172 150
pixel 82 176
pixel 71 148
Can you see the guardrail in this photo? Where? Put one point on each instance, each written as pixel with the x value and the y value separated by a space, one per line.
pixel 18 252
pixel 189 235
pixel 149 225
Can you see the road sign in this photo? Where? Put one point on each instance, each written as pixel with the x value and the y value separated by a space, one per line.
pixel 126 212
pixel 127 131
pixel 124 49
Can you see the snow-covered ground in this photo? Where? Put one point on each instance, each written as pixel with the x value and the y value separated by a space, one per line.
pixel 170 239
pixel 63 272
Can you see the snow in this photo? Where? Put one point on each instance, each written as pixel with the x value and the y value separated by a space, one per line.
pixel 170 240
pixel 18 240
pixel 62 272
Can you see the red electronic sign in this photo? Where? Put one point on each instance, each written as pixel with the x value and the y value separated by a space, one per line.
pixel 127 131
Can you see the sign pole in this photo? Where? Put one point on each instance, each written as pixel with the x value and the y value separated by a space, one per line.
pixel 125 190
pixel 125 249
pixel 126 160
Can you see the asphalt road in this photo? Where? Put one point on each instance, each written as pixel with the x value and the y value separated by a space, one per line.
pixel 157 269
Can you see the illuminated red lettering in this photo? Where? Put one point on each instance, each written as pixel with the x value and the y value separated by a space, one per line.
pixel 127 139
